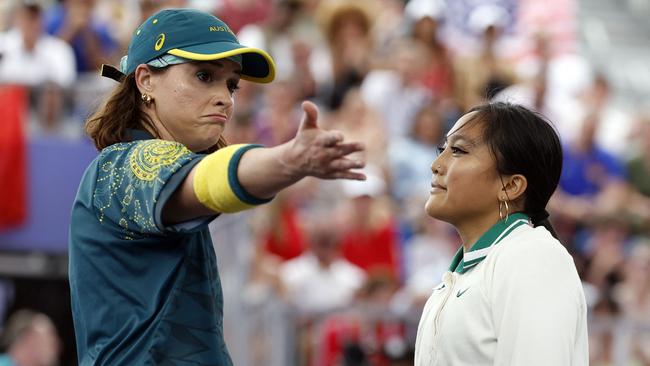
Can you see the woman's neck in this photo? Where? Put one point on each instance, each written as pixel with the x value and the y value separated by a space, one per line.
pixel 471 230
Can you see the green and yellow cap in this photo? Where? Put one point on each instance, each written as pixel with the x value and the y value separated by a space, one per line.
pixel 195 36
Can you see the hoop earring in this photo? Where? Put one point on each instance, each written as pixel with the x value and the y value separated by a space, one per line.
pixel 146 98
pixel 507 214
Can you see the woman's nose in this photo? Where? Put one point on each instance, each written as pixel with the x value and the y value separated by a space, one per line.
pixel 223 96
pixel 435 166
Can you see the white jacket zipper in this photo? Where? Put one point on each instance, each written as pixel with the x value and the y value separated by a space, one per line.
pixel 449 280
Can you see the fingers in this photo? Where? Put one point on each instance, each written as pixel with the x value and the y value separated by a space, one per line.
pixel 347 175
pixel 310 117
pixel 341 150
pixel 346 164
pixel 341 169
pixel 332 138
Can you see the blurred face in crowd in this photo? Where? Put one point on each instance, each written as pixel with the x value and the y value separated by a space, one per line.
pixel 491 34
pixel 192 102
pixel 38 346
pixel 28 21
pixel 427 127
pixel 349 26
pixel 425 30
pixel 410 61
pixel 587 135
pixel 466 183
pixel 324 240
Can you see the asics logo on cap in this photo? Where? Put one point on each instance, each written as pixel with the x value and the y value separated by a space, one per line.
pixel 160 41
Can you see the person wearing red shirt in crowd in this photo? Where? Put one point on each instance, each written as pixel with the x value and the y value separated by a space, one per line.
pixel 370 236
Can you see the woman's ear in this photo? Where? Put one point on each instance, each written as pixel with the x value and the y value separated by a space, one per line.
pixel 514 187
pixel 143 79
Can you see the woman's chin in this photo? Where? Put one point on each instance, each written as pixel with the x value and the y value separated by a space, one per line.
pixel 431 208
pixel 203 144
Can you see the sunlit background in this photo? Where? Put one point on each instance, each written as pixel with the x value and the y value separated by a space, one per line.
pixel 336 273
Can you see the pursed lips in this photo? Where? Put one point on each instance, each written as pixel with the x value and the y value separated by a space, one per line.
pixel 217 117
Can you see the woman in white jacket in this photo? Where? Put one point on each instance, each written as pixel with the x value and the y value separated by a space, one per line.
pixel 512 295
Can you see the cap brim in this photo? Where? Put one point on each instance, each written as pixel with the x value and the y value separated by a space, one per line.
pixel 257 65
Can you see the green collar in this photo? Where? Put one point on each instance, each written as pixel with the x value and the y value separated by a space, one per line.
pixel 463 262
pixel 137 134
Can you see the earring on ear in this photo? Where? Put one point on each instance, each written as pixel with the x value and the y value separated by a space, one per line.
pixel 146 98
pixel 504 204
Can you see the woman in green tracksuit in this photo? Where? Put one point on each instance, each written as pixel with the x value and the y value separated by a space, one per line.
pixel 143 273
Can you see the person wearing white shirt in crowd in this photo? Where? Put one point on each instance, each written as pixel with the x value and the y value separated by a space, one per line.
pixel 39 61
pixel 512 295
pixel 320 280
pixel 31 57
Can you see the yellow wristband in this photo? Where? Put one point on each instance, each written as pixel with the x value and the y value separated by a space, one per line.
pixel 216 184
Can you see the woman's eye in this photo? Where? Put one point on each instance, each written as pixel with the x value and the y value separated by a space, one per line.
pixel 455 150
pixel 233 87
pixel 204 76
pixel 440 149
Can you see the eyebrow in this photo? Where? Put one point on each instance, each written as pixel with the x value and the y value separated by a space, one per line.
pixel 219 63
pixel 459 137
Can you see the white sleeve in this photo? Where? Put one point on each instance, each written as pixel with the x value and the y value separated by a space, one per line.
pixel 63 65
pixel 538 306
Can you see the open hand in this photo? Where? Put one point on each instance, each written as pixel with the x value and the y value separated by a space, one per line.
pixel 319 153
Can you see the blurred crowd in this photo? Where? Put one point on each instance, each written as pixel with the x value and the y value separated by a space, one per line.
pixel 337 272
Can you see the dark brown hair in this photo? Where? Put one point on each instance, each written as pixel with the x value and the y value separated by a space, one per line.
pixel 524 142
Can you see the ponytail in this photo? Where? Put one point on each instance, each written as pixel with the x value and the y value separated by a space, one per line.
pixel 524 142
pixel 541 219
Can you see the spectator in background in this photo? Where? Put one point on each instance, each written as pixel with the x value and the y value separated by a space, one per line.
pixel 407 155
pixel 320 280
pixel 366 333
pixel 604 268
pixel 638 171
pixel 346 61
pixel 605 258
pixel 30 339
pixel 592 182
pixel 480 77
pixel 362 123
pixel 238 13
pixel 427 255
pixel 397 93
pixel 388 28
pixel 283 228
pixel 614 125
pixel 638 167
pixel 550 82
pixel 587 168
pixel 149 7
pixel 426 17
pixel 74 22
pixel 633 294
pixel 29 56
pixel 277 122
pixel 533 87
pixel 290 38
pixel 43 63
pixel 369 235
